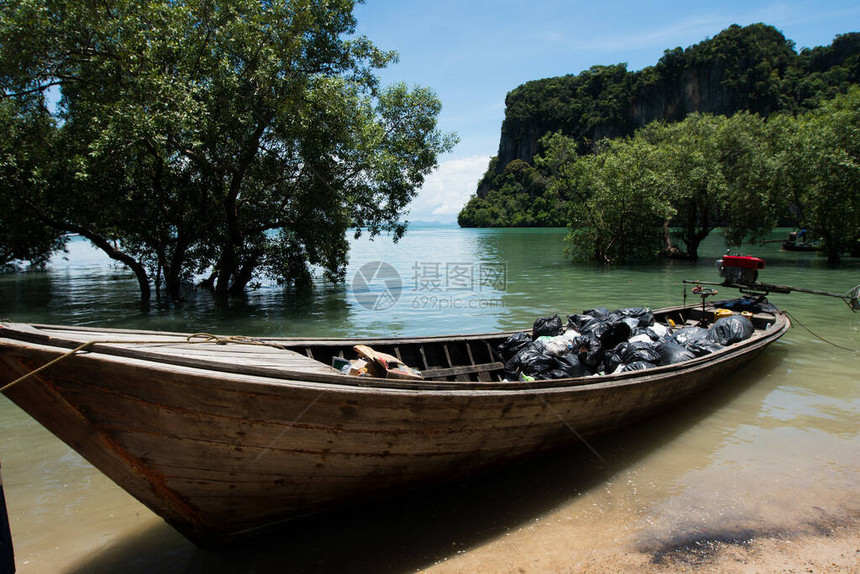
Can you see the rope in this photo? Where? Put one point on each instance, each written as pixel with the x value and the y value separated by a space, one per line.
pixel 793 318
pixel 197 338
pixel 235 339
pixel 48 364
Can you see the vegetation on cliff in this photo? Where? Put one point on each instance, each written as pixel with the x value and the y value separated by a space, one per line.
pixel 752 69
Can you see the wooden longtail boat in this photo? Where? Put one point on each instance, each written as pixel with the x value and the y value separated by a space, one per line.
pixel 222 437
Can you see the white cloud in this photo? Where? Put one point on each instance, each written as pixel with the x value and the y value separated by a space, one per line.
pixel 447 189
pixel 696 27
pixel 707 22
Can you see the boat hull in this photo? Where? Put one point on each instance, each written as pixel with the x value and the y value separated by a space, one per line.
pixel 219 454
pixel 795 246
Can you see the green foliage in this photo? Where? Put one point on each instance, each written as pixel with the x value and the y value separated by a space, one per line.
pixel 26 144
pixel 514 194
pixel 689 160
pixel 618 198
pixel 752 69
pixel 709 171
pixel 751 167
pixel 822 73
pixel 235 138
pixel 717 172
pixel 820 157
pixel 517 198
pixel 751 60
pixel 579 105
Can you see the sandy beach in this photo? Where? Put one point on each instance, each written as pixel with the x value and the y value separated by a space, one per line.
pixel 828 547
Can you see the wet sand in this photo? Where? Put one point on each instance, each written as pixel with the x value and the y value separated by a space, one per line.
pixel 828 544
pixel 835 552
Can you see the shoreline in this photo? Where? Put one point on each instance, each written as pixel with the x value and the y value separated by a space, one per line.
pixel 830 546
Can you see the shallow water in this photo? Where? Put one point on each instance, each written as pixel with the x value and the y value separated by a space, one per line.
pixel 773 450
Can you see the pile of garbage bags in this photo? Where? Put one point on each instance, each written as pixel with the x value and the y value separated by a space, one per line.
pixel 598 342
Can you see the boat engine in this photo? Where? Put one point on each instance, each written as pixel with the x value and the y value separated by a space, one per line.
pixel 740 270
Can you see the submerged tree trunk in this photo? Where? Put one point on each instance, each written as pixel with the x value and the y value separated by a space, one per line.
pixel 834 257
pixel 105 245
pixel 834 253
pixel 137 268
pixel 831 247
pixel 244 275
pixel 173 268
pixel 694 236
pixel 225 269
pixel 670 250
pixel 209 282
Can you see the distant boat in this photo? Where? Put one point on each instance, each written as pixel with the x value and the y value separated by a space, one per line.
pixel 798 246
pixel 223 439
pixel 797 242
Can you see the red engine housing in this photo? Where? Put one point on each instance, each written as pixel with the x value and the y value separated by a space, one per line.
pixel 743 261
pixel 740 269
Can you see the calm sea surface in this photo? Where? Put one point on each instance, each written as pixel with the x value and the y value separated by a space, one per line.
pixel 774 450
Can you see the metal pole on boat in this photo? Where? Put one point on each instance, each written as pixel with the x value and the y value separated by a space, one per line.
pixel 849 297
pixel 7 555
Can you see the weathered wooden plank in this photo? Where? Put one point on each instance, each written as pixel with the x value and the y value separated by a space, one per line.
pixel 314 424
pixel 481 375
pixel 464 370
pixel 426 365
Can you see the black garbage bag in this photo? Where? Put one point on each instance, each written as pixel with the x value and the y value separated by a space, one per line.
pixel 671 353
pixel 549 375
pixel 513 345
pixel 637 366
pixel 696 340
pixel 688 334
pixel 626 353
pixel 729 330
pixel 547 326
pixel 702 347
pixel 611 333
pixel 643 352
pixel 512 365
pixel 631 322
pixel 597 312
pixel 589 351
pixel 571 365
pixel 614 357
pixel 583 324
pixel 531 361
pixel 644 317
pixel 652 334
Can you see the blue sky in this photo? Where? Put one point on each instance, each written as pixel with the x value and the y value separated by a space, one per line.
pixel 473 52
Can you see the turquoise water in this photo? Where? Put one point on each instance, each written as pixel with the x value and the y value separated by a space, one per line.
pixel 776 448
pixel 452 280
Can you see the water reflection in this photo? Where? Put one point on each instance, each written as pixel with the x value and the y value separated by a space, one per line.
pixel 87 288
